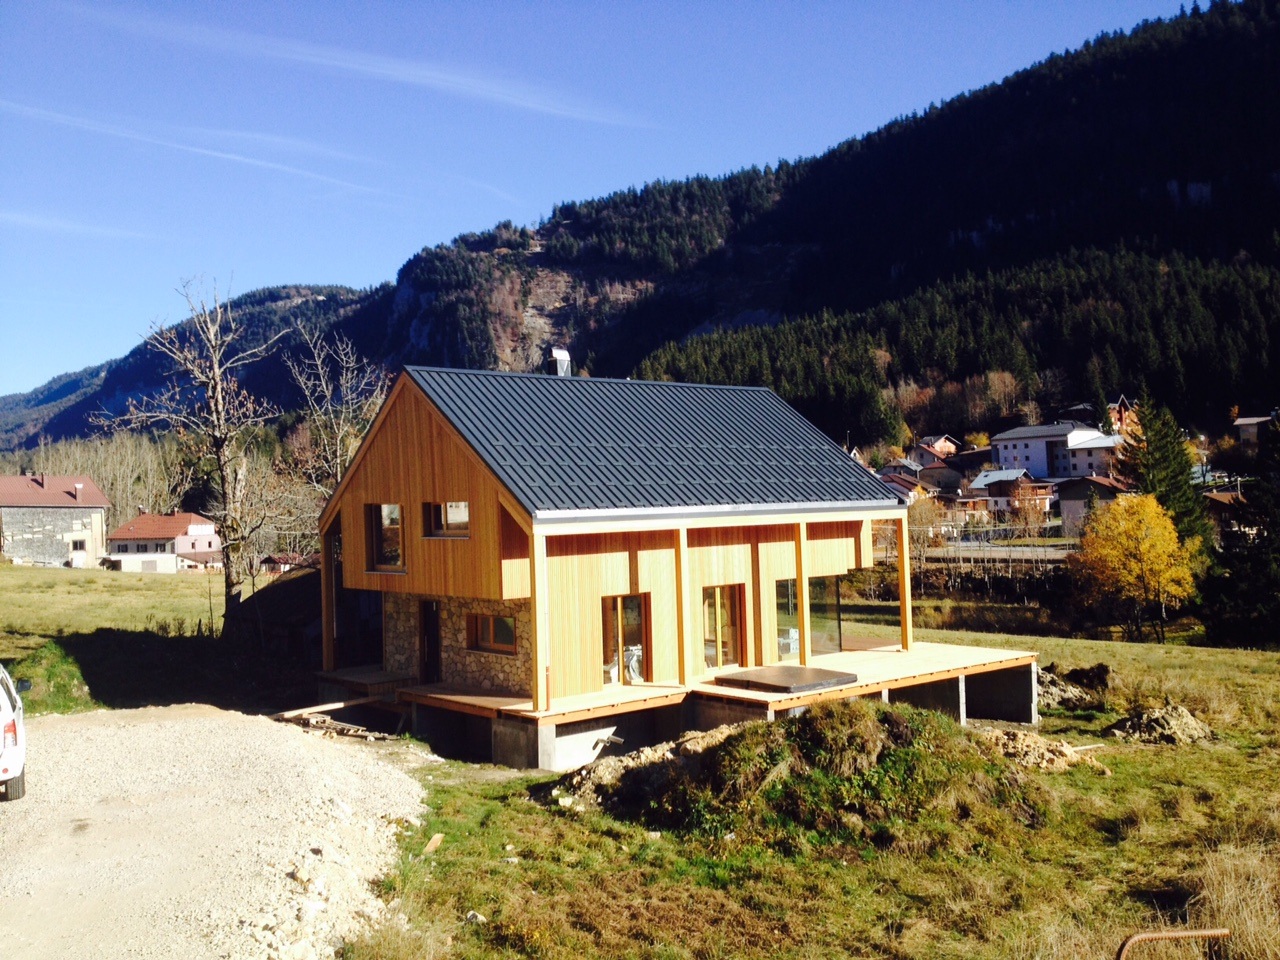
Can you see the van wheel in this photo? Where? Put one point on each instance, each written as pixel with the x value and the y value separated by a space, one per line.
pixel 17 787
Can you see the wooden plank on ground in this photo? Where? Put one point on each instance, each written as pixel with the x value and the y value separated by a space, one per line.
pixel 323 708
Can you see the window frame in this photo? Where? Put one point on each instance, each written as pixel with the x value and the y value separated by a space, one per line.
pixel 375 527
pixel 481 630
pixel 435 521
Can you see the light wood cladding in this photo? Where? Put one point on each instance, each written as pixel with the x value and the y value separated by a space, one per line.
pixel 413 457
pixel 515 556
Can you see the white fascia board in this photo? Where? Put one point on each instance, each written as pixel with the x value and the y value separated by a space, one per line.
pixel 727 511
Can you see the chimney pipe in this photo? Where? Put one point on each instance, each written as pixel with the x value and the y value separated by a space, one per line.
pixel 76 493
pixel 558 364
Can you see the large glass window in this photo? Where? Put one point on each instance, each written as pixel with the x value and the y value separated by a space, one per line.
pixel 491 634
pixel 449 519
pixel 722 625
pixel 788 613
pixel 385 547
pixel 626 639
pixel 825 615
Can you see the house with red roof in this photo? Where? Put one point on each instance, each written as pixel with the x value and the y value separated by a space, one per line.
pixel 52 521
pixel 165 543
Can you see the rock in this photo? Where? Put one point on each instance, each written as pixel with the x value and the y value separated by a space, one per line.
pixel 565 801
pixel 301 875
pixel 510 859
pixel 1170 724
pixel 1056 693
pixel 655 835
pixel 475 917
pixel 509 847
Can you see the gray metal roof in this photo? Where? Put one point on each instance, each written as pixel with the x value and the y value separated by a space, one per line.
pixel 586 444
pixel 988 477
pixel 1044 431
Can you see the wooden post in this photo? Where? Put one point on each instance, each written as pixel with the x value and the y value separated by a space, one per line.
pixel 328 606
pixel 683 602
pixel 539 682
pixel 802 591
pixel 904 579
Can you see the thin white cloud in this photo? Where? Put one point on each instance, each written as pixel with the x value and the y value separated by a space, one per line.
pixel 124 133
pixel 416 73
pixel 275 142
pixel 45 224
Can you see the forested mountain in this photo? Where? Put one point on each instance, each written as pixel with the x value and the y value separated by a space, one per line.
pixel 1106 217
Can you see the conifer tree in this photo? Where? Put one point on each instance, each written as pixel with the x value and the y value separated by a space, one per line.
pixel 1156 461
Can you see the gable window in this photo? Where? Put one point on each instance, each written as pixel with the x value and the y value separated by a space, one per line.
pixel 449 519
pixel 491 634
pixel 383 525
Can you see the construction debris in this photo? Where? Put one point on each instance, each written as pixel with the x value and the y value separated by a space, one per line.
pixel 315 720
pixel 1032 750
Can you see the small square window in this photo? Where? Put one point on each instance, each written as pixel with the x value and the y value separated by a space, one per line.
pixel 491 634
pixel 122 548
pixel 142 548
pixel 77 544
pixel 449 519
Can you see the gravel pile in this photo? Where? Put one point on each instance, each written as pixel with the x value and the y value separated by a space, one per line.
pixel 194 832
pixel 1169 724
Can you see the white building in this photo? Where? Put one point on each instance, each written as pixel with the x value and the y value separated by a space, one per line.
pixel 1056 450
pixel 165 543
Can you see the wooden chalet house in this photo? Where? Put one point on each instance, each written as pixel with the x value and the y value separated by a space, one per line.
pixel 563 561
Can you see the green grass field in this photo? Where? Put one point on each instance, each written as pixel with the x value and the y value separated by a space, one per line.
pixel 90 639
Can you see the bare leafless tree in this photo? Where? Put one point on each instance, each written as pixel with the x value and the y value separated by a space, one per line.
pixel 205 405
pixel 343 393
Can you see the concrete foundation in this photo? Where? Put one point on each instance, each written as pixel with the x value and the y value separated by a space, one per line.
pixel 707 713
pixel 945 696
pixel 1004 695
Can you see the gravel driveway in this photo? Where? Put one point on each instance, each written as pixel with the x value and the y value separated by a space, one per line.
pixel 191 832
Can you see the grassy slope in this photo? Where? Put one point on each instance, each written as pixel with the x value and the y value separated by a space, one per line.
pixel 1177 835
pixel 88 639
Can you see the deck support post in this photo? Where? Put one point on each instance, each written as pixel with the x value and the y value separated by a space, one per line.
pixel 328 604
pixel 684 606
pixel 904 579
pixel 540 615
pixel 802 591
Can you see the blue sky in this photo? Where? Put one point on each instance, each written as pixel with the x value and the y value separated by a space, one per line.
pixel 267 143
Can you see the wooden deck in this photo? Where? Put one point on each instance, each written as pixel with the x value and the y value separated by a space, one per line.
pixel 879 666
pixel 369 680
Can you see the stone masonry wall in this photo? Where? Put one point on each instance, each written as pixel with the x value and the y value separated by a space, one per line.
pixel 496 672
pixel 43 535
pixel 400 633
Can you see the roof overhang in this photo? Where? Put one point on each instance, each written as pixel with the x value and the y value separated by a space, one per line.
pixel 748 513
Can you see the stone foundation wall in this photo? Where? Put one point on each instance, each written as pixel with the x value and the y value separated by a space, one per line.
pixel 400 633
pixel 496 672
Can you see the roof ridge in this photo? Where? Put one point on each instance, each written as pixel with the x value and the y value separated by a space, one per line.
pixel 531 374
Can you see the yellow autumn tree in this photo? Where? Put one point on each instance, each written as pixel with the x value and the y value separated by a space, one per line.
pixel 1130 560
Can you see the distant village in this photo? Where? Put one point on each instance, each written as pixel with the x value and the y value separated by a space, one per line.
pixel 1044 479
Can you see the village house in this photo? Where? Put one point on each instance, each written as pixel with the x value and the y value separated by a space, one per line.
pixel 1055 450
pixel 51 521
pixel 1247 430
pixel 541 567
pixel 165 543
pixel 1008 490
pixel 930 450
pixel 1077 496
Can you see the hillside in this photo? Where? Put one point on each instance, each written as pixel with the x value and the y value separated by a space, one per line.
pixel 1163 144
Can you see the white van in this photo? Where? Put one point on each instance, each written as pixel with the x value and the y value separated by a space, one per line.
pixel 13 746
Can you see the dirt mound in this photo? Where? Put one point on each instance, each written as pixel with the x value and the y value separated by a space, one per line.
pixel 1078 689
pixel 592 783
pixel 1034 751
pixel 1169 724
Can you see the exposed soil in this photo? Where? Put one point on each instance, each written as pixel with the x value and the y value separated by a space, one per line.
pixel 1031 750
pixel 1172 724
pixel 189 831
